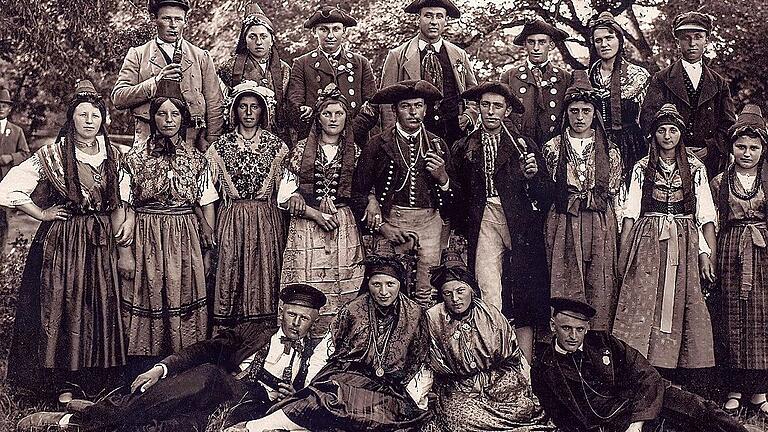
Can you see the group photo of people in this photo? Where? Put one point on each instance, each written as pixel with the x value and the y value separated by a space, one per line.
pixel 332 243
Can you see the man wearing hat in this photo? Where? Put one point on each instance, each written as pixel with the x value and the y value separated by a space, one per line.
pixel 446 66
pixel 170 56
pixel 501 192
pixel 253 365
pixel 330 62
pixel 405 173
pixel 13 151
pixel 538 83
pixel 588 381
pixel 700 94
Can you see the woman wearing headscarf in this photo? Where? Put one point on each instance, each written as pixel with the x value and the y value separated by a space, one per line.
pixel 324 244
pixel 667 244
pixel 168 183
pixel 68 320
pixel 481 378
pixel 257 58
pixel 740 195
pixel 620 88
pixel 247 166
pixel 379 345
pixel 581 229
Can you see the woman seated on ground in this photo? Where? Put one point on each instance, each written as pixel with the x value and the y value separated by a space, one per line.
pixel 379 346
pixel 481 378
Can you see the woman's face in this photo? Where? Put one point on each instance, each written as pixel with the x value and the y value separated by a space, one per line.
pixel 87 119
pixel 168 119
pixel 384 289
pixel 249 111
pixel 606 43
pixel 747 151
pixel 457 296
pixel 259 41
pixel 332 119
pixel 667 136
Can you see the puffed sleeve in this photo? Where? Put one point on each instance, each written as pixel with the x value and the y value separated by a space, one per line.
pixel 17 186
pixel 126 194
pixel 289 184
pixel 209 194
pixel 705 206
pixel 630 205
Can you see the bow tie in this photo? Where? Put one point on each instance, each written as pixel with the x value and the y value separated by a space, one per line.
pixel 162 147
pixel 289 343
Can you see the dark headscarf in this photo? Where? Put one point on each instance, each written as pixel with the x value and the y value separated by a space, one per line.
pixel 607 21
pixel 242 54
pixel 159 144
pixel 452 268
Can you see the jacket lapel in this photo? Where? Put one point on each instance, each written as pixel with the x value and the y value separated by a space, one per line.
pixel 676 82
pixel 156 58
pixel 707 84
pixel 322 64
pixel 412 60
pixel 526 75
pixel 505 152
pixel 389 143
pixel 186 57
pixel 455 58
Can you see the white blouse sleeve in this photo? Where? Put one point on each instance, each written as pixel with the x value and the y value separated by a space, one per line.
pixel 705 207
pixel 420 385
pixel 288 186
pixel 17 186
pixel 629 207
pixel 210 194
pixel 125 186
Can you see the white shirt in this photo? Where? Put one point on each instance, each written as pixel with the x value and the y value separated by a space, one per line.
pixel 437 45
pixel 3 125
pixel 694 72
pixel 560 350
pixel 168 47
pixel 579 144
pixel 541 66
pixel 276 361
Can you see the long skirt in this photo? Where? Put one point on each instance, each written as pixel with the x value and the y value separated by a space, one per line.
pixel 661 310
pixel 508 405
pixel 166 308
pixel 743 280
pixel 581 251
pixel 251 239
pixel 68 315
pixel 329 261
pixel 344 397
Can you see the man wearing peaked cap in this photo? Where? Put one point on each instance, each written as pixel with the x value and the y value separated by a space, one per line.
pixel 429 57
pixel 501 193
pixel 405 172
pixel 13 151
pixel 330 62
pixel 538 83
pixel 701 94
pixel 170 56
pixel 588 380
pixel 254 365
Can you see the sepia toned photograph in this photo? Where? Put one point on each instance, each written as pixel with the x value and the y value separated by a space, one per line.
pixel 383 215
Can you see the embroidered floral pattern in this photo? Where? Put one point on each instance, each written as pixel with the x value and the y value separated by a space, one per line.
pixel 249 167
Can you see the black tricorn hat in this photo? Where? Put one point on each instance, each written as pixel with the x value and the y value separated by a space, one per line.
pixel 538 26
pixel 330 14
pixel 155 5
pixel 572 308
pixel 450 9
pixel 476 93
pixel 408 89
pixel 303 295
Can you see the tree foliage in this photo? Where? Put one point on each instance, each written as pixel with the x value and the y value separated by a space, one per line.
pixel 46 45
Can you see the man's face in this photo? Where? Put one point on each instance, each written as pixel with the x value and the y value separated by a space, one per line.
pixel 170 22
pixel 330 36
pixel 432 22
pixel 410 113
pixel 538 46
pixel 5 110
pixel 249 111
pixel 493 109
pixel 580 116
pixel 569 331
pixel 259 41
pixel 295 320
pixel 457 296
pixel 384 289
pixel 692 44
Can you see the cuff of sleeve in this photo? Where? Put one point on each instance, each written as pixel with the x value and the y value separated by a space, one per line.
pixel 165 369
pixel 446 186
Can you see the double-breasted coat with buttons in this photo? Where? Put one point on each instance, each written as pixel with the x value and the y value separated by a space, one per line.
pixel 312 72
pixel 136 86
pixel 707 123
pixel 544 110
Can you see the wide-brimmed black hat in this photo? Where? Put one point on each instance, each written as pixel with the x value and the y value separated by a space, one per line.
pixel 330 14
pixel 155 5
pixel 692 21
pixel 476 93
pixel 572 308
pixel 409 89
pixel 538 26
pixel 303 295
pixel 450 9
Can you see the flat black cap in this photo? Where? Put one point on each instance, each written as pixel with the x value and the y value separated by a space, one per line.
pixel 572 308
pixel 155 5
pixel 303 295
